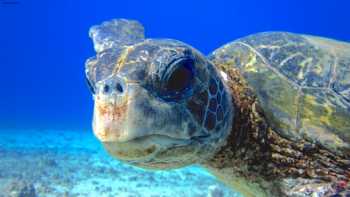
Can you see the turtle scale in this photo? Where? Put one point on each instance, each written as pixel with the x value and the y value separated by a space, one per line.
pixel 302 83
pixel 342 85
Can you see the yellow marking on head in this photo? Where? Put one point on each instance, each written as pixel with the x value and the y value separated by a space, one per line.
pixel 123 56
pixel 121 60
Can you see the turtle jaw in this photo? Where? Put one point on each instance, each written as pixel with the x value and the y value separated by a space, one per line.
pixel 154 152
pixel 125 135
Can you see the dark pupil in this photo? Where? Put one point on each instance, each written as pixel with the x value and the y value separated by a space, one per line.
pixel 180 79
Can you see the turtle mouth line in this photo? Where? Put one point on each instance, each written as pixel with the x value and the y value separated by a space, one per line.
pixel 144 148
pixel 154 137
pixel 164 137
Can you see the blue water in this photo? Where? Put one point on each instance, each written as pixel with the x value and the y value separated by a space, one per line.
pixel 43 46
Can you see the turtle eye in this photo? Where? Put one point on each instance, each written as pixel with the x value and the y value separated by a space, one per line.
pixel 180 78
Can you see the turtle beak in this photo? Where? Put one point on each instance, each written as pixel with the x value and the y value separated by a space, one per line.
pixel 109 120
pixel 111 111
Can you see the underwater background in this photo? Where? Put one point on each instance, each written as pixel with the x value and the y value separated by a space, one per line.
pixel 46 143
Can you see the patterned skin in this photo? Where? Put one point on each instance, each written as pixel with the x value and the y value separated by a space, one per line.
pixel 268 114
pixel 302 82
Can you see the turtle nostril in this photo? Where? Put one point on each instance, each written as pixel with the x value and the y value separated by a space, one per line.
pixel 119 88
pixel 106 88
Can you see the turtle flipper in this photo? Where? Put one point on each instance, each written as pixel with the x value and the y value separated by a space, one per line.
pixel 342 189
pixel 116 34
pixel 301 187
pixel 345 193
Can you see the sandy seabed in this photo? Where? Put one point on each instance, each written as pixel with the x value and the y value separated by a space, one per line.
pixel 73 164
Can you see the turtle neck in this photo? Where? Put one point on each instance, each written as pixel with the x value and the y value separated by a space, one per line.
pixel 255 158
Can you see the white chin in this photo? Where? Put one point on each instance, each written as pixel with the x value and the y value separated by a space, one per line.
pixel 142 148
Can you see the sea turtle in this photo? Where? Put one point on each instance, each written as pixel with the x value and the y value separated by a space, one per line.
pixel 268 114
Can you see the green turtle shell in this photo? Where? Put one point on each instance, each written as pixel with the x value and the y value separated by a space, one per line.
pixel 302 83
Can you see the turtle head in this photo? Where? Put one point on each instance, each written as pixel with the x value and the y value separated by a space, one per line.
pixel 159 103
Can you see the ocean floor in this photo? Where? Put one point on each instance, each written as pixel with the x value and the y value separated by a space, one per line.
pixel 71 164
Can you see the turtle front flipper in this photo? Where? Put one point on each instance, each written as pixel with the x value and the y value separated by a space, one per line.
pixel 306 187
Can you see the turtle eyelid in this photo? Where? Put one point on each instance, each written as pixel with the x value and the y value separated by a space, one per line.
pixel 178 80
